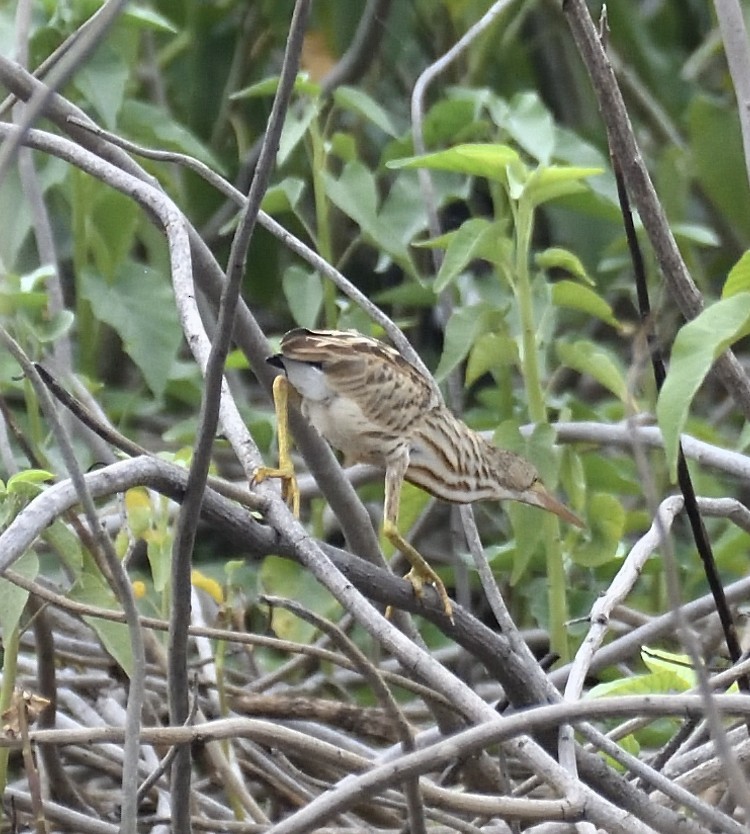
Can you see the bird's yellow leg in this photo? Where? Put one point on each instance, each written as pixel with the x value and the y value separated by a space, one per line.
pixel 285 469
pixel 421 573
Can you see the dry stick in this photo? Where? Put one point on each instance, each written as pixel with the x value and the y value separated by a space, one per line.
pixel 41 518
pixel 120 582
pixel 370 673
pixel 189 514
pixel 61 785
pixel 697 526
pixel 385 772
pixel 626 156
pixel 493 731
pixel 623 582
pixel 612 107
pixel 621 435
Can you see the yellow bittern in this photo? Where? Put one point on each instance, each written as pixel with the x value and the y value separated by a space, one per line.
pixel 373 405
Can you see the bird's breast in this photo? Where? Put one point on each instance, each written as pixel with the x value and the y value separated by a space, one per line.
pixel 341 422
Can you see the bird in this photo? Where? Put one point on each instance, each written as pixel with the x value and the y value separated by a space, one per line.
pixel 376 407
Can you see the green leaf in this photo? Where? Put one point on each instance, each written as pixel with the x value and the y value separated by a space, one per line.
pixel 139 305
pixel 283 196
pixel 343 145
pixel 36 278
pixel 28 476
pixel 304 293
pixel 12 598
pixel 717 160
pixel 92 590
pixel 67 544
pixel 268 86
pixel 553 181
pixel 113 219
pixel 679 665
pixel 589 358
pixel 606 527
pixel 296 124
pixel 402 214
pixel 651 684
pixel 529 533
pixel 54 328
pixel 490 351
pixel 360 102
pixel 102 79
pixel 159 544
pixel 579 297
pixel 695 233
pixel 477 160
pixel 284 578
pixel 529 122
pixel 697 345
pixel 468 242
pixel 448 120
pixel 738 279
pixel 410 293
pixel 557 258
pixel 464 326
pixel 355 192
pixel 145 18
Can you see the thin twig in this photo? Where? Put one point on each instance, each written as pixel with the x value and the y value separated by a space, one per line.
pixel 189 515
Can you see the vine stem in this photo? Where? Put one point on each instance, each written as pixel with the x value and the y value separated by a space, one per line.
pixel 557 598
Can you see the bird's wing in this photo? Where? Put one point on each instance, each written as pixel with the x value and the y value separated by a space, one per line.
pixel 376 376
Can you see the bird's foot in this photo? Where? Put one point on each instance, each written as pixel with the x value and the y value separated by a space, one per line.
pixel 419 577
pixel 421 573
pixel 289 486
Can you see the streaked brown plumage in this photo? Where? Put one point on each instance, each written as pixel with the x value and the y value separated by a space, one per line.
pixel 376 407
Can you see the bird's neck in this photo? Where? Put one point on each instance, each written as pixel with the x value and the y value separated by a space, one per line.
pixel 450 460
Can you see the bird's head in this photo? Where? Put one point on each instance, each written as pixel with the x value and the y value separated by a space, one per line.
pixel 520 481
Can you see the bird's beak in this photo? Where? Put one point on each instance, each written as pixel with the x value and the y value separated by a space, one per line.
pixel 538 496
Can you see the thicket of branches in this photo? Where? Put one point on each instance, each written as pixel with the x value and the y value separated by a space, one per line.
pixel 546 207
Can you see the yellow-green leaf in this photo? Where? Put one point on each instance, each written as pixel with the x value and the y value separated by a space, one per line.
pixel 558 258
pixel 697 345
pixel 589 358
pixel 478 160
pixel 578 297
pixel 738 279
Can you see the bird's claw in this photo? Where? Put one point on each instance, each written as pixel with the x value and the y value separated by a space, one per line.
pixel 418 578
pixel 289 486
